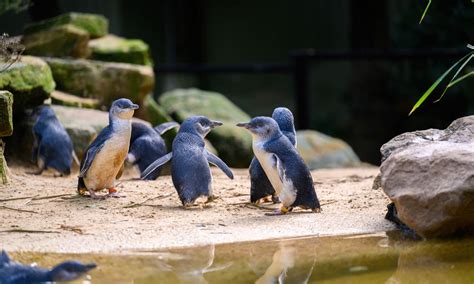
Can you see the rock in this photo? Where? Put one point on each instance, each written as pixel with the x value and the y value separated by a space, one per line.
pixel 430 178
pixel 102 80
pixel 322 151
pixel 233 144
pixel 118 49
pixel 3 165
pixel 94 25
pixel 65 99
pixel 58 41
pixel 152 112
pixel 6 116
pixel 29 80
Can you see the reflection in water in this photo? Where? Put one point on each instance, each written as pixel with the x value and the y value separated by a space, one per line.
pixel 280 271
pixel 367 259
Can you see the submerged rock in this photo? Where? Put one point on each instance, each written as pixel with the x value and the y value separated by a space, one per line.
pixel 66 40
pixel 117 49
pixel 6 113
pixel 429 175
pixel 94 25
pixel 319 150
pixel 29 80
pixel 102 80
pixel 233 144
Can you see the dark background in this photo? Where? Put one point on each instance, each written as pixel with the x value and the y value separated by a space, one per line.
pixel 363 102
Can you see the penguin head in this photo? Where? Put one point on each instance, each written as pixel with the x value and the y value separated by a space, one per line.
pixel 261 127
pixel 284 118
pixel 43 111
pixel 199 124
pixel 123 109
pixel 70 270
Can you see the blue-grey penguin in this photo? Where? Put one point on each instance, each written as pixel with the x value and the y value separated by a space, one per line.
pixel 260 186
pixel 284 167
pixel 190 165
pixel 147 145
pixel 105 156
pixel 52 146
pixel 12 272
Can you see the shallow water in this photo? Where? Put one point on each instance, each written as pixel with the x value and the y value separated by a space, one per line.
pixel 377 258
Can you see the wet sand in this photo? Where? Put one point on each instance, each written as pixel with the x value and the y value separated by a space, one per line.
pixel 50 217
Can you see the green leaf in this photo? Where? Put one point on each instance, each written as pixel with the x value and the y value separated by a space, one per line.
pixel 456 75
pixel 436 83
pixel 426 10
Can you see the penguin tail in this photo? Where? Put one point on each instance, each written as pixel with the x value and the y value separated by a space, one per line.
pixel 81 186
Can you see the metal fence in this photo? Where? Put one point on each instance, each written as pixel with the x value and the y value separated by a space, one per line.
pixel 299 68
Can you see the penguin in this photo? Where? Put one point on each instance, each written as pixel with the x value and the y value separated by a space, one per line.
pixel 146 145
pixel 260 186
pixel 104 158
pixel 190 165
pixel 284 167
pixel 52 146
pixel 12 272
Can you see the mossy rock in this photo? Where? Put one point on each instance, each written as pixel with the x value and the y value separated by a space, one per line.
pixel 29 80
pixel 103 81
pixel 117 49
pixel 3 165
pixel 233 144
pixel 94 25
pixel 319 150
pixel 65 99
pixel 61 41
pixel 6 116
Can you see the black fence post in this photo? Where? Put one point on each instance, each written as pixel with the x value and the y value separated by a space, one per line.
pixel 301 85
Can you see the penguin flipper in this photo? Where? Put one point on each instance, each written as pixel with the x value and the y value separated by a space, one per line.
pixel 90 155
pixel 156 165
pixel 279 167
pixel 162 128
pixel 216 161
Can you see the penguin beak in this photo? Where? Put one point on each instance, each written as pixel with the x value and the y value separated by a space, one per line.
pixel 216 123
pixel 134 106
pixel 243 124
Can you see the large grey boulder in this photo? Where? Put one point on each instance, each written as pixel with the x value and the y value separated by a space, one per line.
pixel 233 144
pixel 429 175
pixel 319 150
pixel 104 81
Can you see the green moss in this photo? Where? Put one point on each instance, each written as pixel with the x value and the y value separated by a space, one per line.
pixel 94 25
pixel 117 49
pixel 59 41
pixel 6 120
pixel 30 81
pixel 102 80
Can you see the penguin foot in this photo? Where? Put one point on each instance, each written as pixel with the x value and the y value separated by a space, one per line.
pixel 317 210
pixel 282 211
pixel 36 173
pixel 114 194
pixel 211 198
pixel 93 195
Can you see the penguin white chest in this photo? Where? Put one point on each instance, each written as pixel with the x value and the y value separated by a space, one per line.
pixel 268 163
pixel 284 187
pixel 108 161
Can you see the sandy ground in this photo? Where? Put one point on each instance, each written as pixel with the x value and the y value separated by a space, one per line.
pixel 51 217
